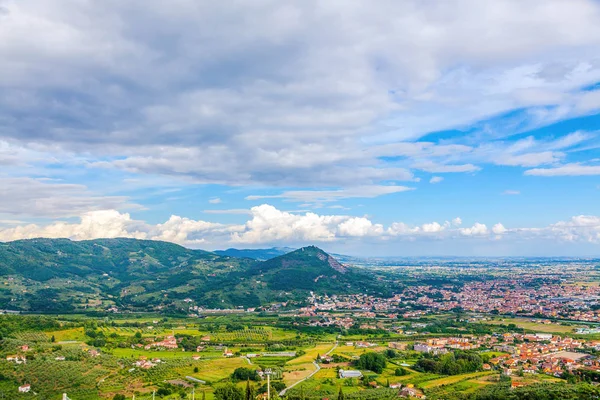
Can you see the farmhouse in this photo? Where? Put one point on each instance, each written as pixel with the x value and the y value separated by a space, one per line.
pixel 25 388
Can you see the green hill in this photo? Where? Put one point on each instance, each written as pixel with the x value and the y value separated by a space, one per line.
pixel 60 275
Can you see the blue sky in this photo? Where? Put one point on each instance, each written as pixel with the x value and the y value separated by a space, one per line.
pixel 412 128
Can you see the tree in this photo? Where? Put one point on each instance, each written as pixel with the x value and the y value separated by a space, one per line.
pixel 119 397
pixel 242 374
pixel 341 394
pixel 195 369
pixel 375 362
pixel 228 391
pixel 53 339
pixel 249 391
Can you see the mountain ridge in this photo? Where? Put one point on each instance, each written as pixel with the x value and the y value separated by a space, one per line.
pixel 61 275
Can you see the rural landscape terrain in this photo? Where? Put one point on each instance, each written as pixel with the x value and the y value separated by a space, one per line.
pixel 125 318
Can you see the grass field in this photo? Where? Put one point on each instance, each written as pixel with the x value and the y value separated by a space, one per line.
pixel 131 353
pixel 67 335
pixel 533 326
pixel 216 370
pixel 448 380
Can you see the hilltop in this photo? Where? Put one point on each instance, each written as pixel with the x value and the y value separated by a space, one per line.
pixel 60 275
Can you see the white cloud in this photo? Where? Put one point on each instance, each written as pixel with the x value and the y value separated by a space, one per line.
pixel 436 179
pixel 498 229
pixel 333 195
pixel 335 91
pixel 476 230
pixel 358 227
pixel 215 200
pixel 457 221
pixel 270 226
pixel 573 169
pixel 433 167
pixel 511 192
pixel 43 198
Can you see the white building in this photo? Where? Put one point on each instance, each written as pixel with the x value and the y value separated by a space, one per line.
pixel 350 374
pixel 25 388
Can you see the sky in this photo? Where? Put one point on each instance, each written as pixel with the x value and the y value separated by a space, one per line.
pixel 412 128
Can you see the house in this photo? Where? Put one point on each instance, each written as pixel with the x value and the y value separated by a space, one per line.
pixel 25 388
pixel 349 374
pixel 25 347
pixel 397 345
pixel 227 353
pixel 326 359
pixel 410 391
pixel 60 358
pixel 17 359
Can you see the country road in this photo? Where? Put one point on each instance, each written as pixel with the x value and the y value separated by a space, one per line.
pixel 317 369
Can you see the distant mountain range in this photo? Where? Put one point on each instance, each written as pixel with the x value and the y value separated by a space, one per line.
pixel 256 254
pixel 60 275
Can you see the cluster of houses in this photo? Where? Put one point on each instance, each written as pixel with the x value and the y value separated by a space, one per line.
pixel 441 345
pixel 169 343
pixel 144 363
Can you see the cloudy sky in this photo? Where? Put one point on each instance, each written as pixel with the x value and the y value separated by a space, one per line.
pixel 460 127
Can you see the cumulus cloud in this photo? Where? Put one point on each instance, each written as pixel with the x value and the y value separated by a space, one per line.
pixel 498 229
pixel 113 224
pixel 268 225
pixel 476 230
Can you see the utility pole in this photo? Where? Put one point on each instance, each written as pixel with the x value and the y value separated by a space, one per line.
pixel 153 394
pixel 268 372
pixel 193 393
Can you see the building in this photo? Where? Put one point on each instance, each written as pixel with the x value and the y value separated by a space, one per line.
pixel 397 345
pixel 25 388
pixel 350 374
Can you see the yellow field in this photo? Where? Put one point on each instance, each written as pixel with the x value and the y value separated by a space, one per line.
pixel 311 354
pixel 353 351
pixel 297 372
pixel 533 326
pixel 67 335
pixel 448 380
pixel 215 370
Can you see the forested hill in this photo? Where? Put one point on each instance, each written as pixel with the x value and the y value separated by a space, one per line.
pixel 256 254
pixel 60 275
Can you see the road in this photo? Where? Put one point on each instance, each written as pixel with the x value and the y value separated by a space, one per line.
pixel 317 369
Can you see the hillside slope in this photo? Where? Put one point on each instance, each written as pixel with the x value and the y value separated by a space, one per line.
pixel 60 275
